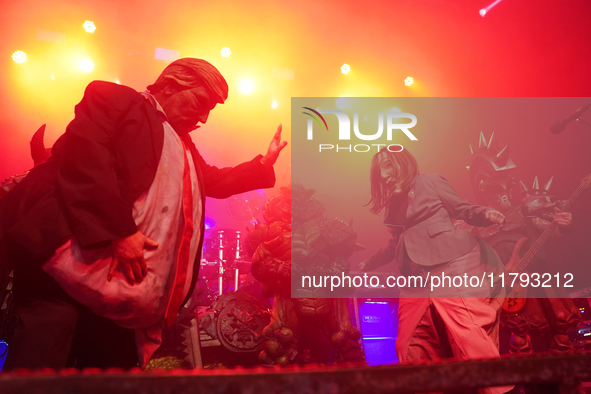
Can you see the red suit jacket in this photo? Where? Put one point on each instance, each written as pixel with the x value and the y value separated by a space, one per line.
pixel 105 160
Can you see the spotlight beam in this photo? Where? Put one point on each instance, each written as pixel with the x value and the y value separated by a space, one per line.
pixel 486 9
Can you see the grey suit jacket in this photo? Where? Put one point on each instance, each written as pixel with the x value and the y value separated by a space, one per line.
pixel 429 237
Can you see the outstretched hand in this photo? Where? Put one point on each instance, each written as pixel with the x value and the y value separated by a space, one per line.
pixel 494 216
pixel 129 253
pixel 275 147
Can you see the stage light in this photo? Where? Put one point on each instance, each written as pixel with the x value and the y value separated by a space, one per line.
pixel 52 77
pixel 19 57
pixel 274 104
pixel 489 7
pixel 209 223
pixel 226 52
pixel 246 86
pixel 89 26
pixel 117 81
pixel 408 81
pixel 345 68
pixel 86 65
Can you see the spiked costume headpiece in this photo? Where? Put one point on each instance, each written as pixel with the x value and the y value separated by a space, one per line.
pixel 490 171
pixel 537 201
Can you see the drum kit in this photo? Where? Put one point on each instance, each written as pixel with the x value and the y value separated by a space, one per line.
pixel 232 312
pixel 224 259
pixel 226 255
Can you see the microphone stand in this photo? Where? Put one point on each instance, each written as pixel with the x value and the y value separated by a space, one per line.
pixel 584 122
pixel 559 126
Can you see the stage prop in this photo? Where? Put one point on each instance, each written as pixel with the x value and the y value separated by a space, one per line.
pixel 312 327
pixel 555 373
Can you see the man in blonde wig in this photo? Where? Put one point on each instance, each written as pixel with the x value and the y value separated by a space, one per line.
pixel 105 236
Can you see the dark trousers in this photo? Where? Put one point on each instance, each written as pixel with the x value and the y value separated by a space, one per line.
pixel 55 331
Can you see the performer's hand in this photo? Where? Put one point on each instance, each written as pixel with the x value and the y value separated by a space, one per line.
pixel 362 265
pixel 494 216
pixel 564 219
pixel 275 147
pixel 129 252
